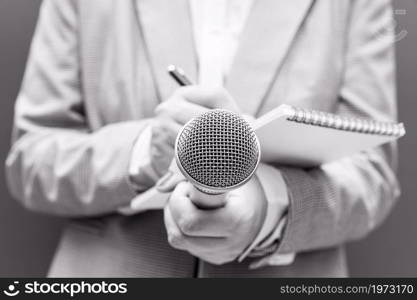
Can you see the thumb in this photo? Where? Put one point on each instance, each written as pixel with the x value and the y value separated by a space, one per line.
pixel 170 180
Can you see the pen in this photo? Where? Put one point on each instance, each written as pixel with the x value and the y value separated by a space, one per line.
pixel 179 76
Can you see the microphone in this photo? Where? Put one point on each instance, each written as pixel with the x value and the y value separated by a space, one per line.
pixel 217 151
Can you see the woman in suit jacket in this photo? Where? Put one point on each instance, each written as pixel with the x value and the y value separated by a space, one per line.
pixel 96 74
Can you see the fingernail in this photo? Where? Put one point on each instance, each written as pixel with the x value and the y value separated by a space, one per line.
pixel 164 179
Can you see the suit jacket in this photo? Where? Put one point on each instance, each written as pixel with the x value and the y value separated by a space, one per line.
pixel 96 71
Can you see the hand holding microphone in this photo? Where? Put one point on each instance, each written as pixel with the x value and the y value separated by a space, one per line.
pixel 217 152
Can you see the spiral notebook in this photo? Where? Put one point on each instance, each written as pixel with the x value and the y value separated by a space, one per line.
pixel 308 138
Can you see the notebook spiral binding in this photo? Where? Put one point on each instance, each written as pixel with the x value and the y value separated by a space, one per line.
pixel 324 119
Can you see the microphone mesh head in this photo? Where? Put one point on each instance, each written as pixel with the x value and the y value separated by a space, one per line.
pixel 218 149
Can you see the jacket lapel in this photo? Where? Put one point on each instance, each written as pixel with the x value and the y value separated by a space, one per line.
pixel 167 30
pixel 265 41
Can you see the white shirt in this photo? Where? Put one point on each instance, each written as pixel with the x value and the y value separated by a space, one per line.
pixel 217 28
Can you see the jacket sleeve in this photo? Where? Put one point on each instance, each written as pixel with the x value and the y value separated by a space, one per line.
pixel 57 165
pixel 348 198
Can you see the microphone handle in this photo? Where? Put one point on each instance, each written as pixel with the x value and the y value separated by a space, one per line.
pixel 207 201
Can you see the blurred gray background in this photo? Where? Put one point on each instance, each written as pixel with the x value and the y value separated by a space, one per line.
pixel 28 241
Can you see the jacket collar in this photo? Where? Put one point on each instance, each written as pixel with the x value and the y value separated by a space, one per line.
pixel 167 29
pixel 265 41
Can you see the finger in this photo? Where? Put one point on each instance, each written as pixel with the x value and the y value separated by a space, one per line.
pixel 165 130
pixel 169 181
pixel 208 97
pixel 179 110
pixel 195 245
pixel 196 222
pixel 174 176
pixel 175 237
pixel 162 156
